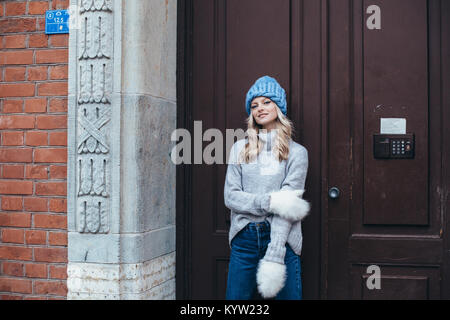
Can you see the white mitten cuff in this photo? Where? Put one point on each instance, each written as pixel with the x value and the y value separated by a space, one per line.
pixel 270 277
pixel 289 205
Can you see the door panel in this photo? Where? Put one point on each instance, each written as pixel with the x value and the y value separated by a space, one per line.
pixel 395 85
pixel 397 283
pixel 388 214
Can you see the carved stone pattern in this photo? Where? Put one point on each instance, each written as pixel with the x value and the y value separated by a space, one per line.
pixel 95 5
pixel 95 68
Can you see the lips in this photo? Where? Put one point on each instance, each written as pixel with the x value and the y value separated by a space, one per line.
pixel 262 115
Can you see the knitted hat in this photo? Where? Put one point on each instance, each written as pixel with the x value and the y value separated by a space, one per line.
pixel 267 87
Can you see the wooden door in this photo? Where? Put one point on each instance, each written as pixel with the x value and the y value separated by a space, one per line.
pixel 390 212
pixel 341 78
pixel 224 47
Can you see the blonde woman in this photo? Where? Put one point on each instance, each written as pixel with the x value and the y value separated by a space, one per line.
pixel 263 189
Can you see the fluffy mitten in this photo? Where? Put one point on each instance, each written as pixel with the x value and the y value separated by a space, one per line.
pixel 289 204
pixel 271 273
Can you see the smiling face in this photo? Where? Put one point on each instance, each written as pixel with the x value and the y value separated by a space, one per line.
pixel 264 111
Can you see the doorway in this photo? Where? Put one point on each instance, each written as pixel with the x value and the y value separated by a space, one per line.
pixel 342 76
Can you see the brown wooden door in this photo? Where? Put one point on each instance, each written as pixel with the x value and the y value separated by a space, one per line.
pixel 390 212
pixel 226 46
pixel 340 78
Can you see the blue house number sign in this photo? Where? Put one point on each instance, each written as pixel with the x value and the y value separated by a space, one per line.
pixel 56 21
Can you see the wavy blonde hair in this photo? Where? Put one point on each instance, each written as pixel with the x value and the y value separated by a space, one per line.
pixel 254 145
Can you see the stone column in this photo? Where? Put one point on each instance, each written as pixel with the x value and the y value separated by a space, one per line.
pixel 121 181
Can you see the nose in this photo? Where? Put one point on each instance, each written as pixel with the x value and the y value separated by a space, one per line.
pixel 260 108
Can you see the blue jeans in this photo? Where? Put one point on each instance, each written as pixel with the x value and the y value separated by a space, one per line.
pixel 247 249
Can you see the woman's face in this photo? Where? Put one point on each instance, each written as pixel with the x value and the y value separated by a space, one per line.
pixel 264 111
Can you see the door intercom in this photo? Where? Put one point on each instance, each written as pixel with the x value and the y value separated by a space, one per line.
pixel 393 146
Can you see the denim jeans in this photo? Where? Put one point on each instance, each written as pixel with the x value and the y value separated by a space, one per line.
pixel 247 249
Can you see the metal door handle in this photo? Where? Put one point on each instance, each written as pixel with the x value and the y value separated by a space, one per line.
pixel 334 193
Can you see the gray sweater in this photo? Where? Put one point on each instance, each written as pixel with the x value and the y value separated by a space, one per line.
pixel 248 187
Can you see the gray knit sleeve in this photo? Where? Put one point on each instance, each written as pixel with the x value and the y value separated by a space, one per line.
pixel 238 200
pixel 296 169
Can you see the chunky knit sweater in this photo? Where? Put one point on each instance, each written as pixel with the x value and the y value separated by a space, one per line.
pixel 248 187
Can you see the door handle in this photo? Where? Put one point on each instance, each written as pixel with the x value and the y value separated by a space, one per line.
pixel 334 192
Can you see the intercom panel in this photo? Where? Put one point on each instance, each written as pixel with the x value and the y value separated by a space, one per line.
pixel 393 146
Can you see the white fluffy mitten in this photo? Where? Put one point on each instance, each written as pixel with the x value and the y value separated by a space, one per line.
pixel 271 273
pixel 289 204
pixel 271 278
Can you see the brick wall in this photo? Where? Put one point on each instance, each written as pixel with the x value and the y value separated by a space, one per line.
pixel 33 153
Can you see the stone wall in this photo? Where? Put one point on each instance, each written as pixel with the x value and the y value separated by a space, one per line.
pixel 121 181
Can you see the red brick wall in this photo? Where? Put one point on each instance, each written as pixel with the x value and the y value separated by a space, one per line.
pixel 33 153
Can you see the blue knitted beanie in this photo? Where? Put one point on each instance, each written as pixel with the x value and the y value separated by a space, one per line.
pixel 267 87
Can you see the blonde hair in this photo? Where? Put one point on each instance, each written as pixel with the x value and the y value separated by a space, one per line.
pixel 254 145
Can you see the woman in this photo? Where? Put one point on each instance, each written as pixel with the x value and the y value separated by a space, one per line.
pixel 263 188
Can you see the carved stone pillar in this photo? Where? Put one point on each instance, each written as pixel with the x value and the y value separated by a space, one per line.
pixel 121 181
